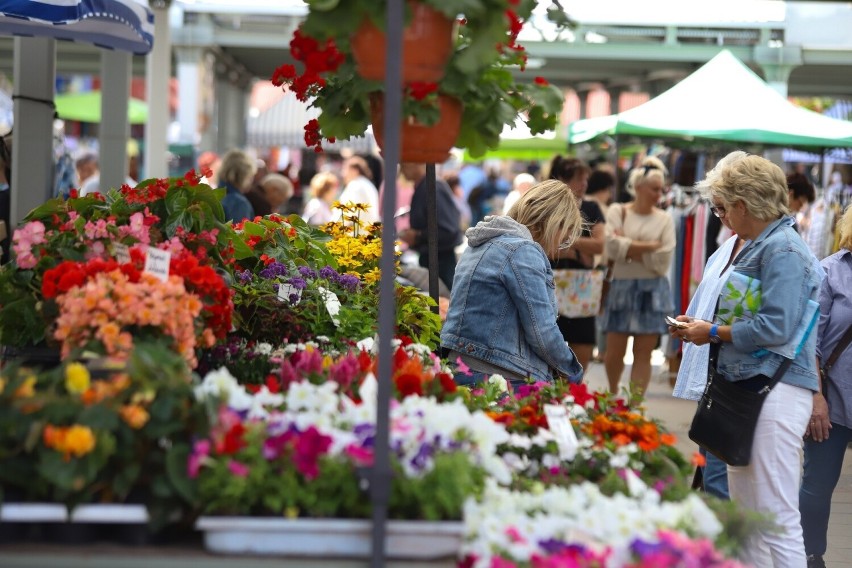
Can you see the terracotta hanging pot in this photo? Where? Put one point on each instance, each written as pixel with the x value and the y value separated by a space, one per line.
pixel 427 43
pixel 421 143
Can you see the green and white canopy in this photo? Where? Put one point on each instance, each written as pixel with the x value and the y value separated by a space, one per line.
pixel 722 101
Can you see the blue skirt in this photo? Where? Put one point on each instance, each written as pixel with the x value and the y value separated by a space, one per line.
pixel 638 307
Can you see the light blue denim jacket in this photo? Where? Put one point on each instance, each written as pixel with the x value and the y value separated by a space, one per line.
pixel 503 307
pixel 789 275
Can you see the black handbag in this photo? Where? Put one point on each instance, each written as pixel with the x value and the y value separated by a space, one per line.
pixel 727 415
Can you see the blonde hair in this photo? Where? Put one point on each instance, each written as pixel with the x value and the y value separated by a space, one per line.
pixel 280 185
pixel 237 169
pixel 704 185
pixel 322 183
pixel 549 210
pixel 650 168
pixel 757 182
pixel 845 224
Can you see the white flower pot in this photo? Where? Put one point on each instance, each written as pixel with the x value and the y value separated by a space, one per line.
pixel 328 538
pixel 107 513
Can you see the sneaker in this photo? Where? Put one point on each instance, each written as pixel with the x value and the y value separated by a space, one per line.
pixel 815 561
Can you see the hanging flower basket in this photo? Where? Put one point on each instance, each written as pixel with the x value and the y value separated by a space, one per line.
pixel 421 143
pixel 427 43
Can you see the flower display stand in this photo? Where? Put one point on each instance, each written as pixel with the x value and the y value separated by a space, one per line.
pixel 53 523
pixel 328 538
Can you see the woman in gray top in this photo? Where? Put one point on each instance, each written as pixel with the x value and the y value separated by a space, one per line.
pixel 830 429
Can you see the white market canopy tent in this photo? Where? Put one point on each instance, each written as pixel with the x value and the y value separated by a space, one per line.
pixel 723 100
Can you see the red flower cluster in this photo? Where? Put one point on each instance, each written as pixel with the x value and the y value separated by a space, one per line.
pixel 203 281
pixel 419 90
pixel 142 194
pixel 68 274
pixel 317 59
pixel 410 378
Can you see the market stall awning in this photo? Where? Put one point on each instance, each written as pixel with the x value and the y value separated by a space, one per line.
pixel 86 107
pixel 723 101
pixel 283 124
pixel 126 25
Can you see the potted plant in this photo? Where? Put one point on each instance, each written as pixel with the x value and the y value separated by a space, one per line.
pixel 477 86
pixel 63 242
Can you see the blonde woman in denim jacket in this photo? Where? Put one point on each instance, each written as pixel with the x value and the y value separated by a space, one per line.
pixel 751 194
pixel 502 314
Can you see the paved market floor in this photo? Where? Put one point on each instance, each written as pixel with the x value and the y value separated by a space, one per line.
pixel 676 414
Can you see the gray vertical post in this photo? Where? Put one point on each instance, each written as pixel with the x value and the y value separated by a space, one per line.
pixel 115 126
pixel 32 138
pixel 158 70
pixel 432 231
pixel 380 482
pixel 616 189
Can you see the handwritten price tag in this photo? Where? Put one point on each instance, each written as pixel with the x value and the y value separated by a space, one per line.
pixel 332 303
pixel 560 427
pixel 121 253
pixel 157 263
pixel 286 291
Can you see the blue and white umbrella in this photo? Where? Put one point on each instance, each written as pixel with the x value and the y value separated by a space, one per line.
pixel 125 25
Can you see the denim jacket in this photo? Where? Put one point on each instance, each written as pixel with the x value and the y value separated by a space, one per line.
pixel 503 306
pixel 789 275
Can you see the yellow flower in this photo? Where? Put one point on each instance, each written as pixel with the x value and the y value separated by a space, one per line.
pixel 2 385
pixel 134 415
pixel 77 378
pixel 79 440
pixel 27 388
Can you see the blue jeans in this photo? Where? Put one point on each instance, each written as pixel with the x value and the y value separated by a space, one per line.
pixel 823 462
pixel 715 476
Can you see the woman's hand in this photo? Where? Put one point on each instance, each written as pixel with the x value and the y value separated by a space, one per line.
pixel 819 425
pixel 697 332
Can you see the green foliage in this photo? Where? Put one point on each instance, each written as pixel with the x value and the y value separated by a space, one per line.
pixel 143 459
pixel 415 317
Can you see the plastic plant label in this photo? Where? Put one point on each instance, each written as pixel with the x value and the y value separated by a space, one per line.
pixel 287 291
pixel 121 253
pixel 561 428
pixel 157 263
pixel 332 304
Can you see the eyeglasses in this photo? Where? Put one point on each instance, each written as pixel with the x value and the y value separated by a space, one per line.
pixel 718 211
pixel 566 245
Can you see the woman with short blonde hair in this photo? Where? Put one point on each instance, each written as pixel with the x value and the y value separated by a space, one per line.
pixel 502 314
pixel 324 186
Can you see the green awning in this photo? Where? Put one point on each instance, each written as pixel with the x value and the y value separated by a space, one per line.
pixel 86 107
pixel 722 101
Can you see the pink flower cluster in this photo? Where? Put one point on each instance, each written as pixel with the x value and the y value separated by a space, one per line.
pixel 24 240
pixel 109 307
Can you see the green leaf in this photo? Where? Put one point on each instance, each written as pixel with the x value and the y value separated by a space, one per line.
pixel 177 458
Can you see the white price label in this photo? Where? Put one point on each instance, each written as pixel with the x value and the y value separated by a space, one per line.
pixel 332 304
pixel 157 263
pixel 286 291
pixel 561 428
pixel 121 253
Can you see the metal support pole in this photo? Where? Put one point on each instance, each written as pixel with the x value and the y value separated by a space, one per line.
pixel 32 138
pixel 114 126
pixel 432 231
pixel 616 189
pixel 822 168
pixel 380 482
pixel 158 70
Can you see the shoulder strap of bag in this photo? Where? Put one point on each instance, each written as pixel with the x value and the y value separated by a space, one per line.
pixel 778 374
pixel 839 349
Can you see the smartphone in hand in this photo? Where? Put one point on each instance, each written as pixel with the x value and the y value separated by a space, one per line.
pixel 671 322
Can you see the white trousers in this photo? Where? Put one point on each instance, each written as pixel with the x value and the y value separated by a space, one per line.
pixel 770 483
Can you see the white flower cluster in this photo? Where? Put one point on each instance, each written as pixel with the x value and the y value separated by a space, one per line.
pixel 221 385
pixel 514 525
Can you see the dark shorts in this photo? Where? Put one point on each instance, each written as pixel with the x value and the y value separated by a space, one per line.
pixel 579 331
